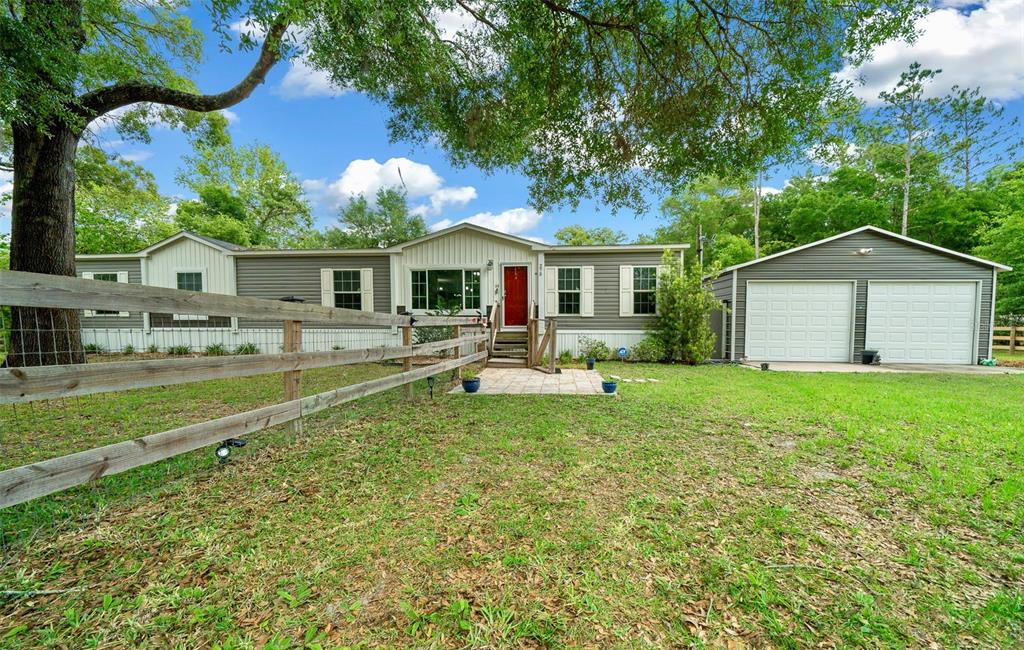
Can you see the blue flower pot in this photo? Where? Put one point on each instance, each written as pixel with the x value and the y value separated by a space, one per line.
pixel 609 386
pixel 471 385
pixel 590 363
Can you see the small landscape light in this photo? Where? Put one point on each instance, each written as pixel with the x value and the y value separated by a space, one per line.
pixel 764 366
pixel 224 450
pixel 430 385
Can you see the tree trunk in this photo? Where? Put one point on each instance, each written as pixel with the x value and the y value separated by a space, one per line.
pixel 757 216
pixel 906 183
pixel 43 241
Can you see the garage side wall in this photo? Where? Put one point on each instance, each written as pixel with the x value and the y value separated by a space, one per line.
pixel 890 259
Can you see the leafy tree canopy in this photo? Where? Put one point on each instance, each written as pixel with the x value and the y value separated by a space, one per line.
pixel 120 208
pixel 1003 241
pixel 577 235
pixel 267 206
pixel 385 223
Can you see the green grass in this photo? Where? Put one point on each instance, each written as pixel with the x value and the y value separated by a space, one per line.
pixel 721 503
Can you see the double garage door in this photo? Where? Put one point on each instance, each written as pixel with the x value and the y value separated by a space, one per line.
pixel 909 322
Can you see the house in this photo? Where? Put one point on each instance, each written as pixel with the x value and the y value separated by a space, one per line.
pixel 604 292
pixel 863 289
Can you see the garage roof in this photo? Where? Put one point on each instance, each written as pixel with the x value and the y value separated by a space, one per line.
pixel 879 231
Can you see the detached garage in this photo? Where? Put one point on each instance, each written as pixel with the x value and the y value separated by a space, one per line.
pixel 865 289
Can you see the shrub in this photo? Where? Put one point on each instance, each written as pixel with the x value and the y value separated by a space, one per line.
pixel 649 350
pixel 247 348
pixel 153 348
pixel 591 347
pixel 179 349
pixel 565 357
pixel 94 348
pixel 422 335
pixel 216 350
pixel 128 349
pixel 683 322
pixel 337 348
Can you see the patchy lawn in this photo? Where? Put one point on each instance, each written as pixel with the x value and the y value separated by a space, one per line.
pixel 720 504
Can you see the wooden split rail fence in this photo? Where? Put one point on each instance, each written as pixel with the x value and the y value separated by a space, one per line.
pixel 27 384
pixel 1008 337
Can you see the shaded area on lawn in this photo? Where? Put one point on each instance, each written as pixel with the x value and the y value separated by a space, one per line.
pixel 719 503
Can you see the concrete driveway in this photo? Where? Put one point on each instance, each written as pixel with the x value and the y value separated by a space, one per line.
pixel 810 366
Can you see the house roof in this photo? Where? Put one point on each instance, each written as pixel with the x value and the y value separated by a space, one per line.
pixel 235 249
pixel 535 245
pixel 878 231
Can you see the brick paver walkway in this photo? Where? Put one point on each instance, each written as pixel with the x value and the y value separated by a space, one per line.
pixel 514 381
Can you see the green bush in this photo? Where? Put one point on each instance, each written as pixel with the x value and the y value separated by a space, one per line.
pixel 682 323
pixel 216 350
pixel 565 357
pixel 179 350
pixel 153 348
pixel 591 347
pixel 94 348
pixel 422 335
pixel 128 349
pixel 649 350
pixel 247 348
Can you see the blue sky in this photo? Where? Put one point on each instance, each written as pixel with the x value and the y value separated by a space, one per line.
pixel 337 142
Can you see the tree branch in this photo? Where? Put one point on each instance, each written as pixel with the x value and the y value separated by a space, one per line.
pixel 103 100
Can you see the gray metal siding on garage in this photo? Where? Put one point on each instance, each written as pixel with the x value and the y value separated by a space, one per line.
pixel 134 269
pixel 606 287
pixel 277 276
pixel 721 287
pixel 891 259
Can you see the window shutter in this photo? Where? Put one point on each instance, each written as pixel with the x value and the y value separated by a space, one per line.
pixel 551 291
pixel 366 287
pixel 327 287
pixel 625 291
pixel 122 277
pixel 587 291
pixel 86 275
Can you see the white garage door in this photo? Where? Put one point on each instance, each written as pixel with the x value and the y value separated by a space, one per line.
pixel 799 321
pixel 922 322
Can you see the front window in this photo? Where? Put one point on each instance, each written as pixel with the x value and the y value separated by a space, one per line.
pixel 445 289
pixel 105 277
pixel 348 290
pixel 190 281
pixel 645 284
pixel 569 291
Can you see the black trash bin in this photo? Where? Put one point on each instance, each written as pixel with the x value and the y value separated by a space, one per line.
pixel 868 357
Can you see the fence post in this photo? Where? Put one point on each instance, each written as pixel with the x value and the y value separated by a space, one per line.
pixel 407 361
pixel 457 334
pixel 553 324
pixel 292 378
pixel 1013 338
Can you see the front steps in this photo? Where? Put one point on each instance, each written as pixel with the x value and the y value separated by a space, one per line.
pixel 509 350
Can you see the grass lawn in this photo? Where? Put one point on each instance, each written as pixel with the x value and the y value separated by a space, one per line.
pixel 720 505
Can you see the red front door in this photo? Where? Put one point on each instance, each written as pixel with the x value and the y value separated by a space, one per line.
pixel 515 307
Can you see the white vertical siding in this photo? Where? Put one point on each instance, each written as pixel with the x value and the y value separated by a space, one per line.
pixel 187 254
pixel 463 250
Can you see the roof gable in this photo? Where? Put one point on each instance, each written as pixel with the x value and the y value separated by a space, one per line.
pixel 217 244
pixel 877 231
pixel 471 227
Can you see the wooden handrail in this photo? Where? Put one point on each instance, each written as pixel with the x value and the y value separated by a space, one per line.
pixel 492 321
pixel 63 292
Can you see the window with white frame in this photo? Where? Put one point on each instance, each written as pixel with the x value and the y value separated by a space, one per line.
pixel 569 286
pixel 348 291
pixel 105 276
pixel 446 289
pixel 645 285
pixel 190 280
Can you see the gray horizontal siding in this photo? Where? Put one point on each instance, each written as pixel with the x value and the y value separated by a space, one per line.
pixel 606 288
pixel 721 287
pixel 134 268
pixel 890 259
pixel 279 276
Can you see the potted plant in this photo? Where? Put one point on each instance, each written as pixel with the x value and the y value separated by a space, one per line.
pixel 470 381
pixel 593 349
pixel 608 385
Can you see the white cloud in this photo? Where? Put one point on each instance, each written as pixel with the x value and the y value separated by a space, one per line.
pixel 230 116
pixel 768 191
pixel 365 177
pixel 302 80
pixel 513 222
pixel 137 156
pixel 973 46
